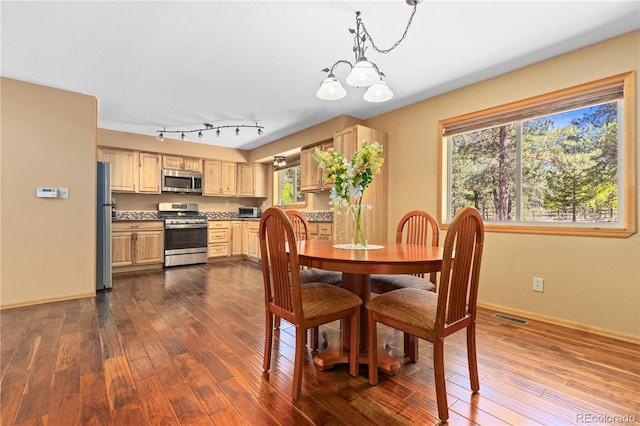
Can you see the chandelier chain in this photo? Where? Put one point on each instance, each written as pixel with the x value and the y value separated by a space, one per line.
pixel 404 35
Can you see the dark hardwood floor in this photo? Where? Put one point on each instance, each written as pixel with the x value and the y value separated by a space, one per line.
pixel 184 346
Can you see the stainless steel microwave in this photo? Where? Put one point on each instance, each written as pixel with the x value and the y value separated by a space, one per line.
pixel 248 212
pixel 181 181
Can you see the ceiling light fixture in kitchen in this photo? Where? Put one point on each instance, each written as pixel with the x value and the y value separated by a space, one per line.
pixel 364 73
pixel 279 161
pixel 207 127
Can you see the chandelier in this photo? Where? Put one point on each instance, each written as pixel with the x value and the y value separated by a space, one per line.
pixel 207 127
pixel 364 73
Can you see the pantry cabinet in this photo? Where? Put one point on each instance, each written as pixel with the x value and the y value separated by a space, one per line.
pixel 347 141
pixel 175 162
pixel 219 178
pixel 135 243
pixel 252 180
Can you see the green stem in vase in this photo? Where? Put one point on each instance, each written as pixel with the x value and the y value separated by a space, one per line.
pixel 358 237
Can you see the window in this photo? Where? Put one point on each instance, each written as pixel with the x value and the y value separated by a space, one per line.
pixel 561 163
pixel 289 191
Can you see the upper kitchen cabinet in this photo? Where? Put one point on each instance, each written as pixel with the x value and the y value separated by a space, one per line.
pixel 311 175
pixel 219 178
pixel 124 168
pixel 132 171
pixel 149 173
pixel 252 180
pixel 174 162
pixel 347 141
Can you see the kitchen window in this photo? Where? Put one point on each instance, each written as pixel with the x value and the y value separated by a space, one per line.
pixel 560 163
pixel 289 187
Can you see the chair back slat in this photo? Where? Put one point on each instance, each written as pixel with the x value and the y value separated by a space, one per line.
pixel 299 223
pixel 418 227
pixel 279 257
pixel 460 268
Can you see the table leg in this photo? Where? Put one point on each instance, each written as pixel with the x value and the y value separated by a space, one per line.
pixel 359 284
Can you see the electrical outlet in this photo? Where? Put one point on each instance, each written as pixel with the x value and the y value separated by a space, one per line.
pixel 538 284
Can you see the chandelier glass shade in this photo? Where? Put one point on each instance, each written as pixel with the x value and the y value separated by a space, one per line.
pixel 378 92
pixel 363 73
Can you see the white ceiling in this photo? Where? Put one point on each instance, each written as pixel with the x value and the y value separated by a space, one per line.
pixel 178 64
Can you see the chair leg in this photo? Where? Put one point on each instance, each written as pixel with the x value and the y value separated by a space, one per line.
pixel 411 347
pixel 268 342
pixel 315 340
pixel 441 387
pixel 372 343
pixel 298 363
pixel 354 350
pixel 472 358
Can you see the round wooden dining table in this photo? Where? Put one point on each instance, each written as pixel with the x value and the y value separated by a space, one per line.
pixel 356 266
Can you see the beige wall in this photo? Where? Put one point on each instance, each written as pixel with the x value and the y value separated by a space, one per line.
pixel 48 139
pixel 590 282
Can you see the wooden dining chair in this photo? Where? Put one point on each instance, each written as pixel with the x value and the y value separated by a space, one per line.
pixel 303 306
pixel 434 316
pixel 415 227
pixel 300 226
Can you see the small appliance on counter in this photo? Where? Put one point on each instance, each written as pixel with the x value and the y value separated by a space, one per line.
pixel 249 212
pixel 185 234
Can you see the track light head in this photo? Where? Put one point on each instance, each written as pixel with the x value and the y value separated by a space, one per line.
pixel 160 137
pixel 200 136
pixel 237 131
pixel 260 131
pixel 183 137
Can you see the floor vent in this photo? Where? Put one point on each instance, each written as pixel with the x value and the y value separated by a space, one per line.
pixel 510 318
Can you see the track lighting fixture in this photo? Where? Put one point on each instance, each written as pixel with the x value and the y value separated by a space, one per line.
pixel 363 73
pixel 279 161
pixel 207 127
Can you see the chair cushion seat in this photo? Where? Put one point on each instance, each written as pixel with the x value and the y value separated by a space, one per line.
pixel 325 299
pixel 383 283
pixel 311 275
pixel 408 305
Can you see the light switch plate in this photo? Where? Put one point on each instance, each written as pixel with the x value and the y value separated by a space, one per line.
pixel 64 192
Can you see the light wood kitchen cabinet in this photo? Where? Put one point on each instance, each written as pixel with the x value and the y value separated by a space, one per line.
pixel 347 141
pixel 124 168
pixel 137 243
pixel 311 175
pixel 321 231
pixel 149 173
pixel 251 240
pixel 252 180
pixel 219 178
pixel 236 238
pixel 175 162
pixel 218 238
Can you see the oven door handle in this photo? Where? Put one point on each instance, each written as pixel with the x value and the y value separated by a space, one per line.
pixel 186 226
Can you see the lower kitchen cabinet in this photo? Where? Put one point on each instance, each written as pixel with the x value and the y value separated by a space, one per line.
pixel 219 238
pixel 321 231
pixel 251 240
pixel 236 238
pixel 137 243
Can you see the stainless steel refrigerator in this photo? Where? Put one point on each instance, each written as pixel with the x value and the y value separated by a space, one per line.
pixel 103 252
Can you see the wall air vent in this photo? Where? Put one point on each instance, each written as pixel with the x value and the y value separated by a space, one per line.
pixel 510 318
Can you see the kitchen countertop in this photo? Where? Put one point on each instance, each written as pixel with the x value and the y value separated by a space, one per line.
pixel 129 215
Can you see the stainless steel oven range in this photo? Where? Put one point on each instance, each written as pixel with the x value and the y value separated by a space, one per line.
pixel 185 234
